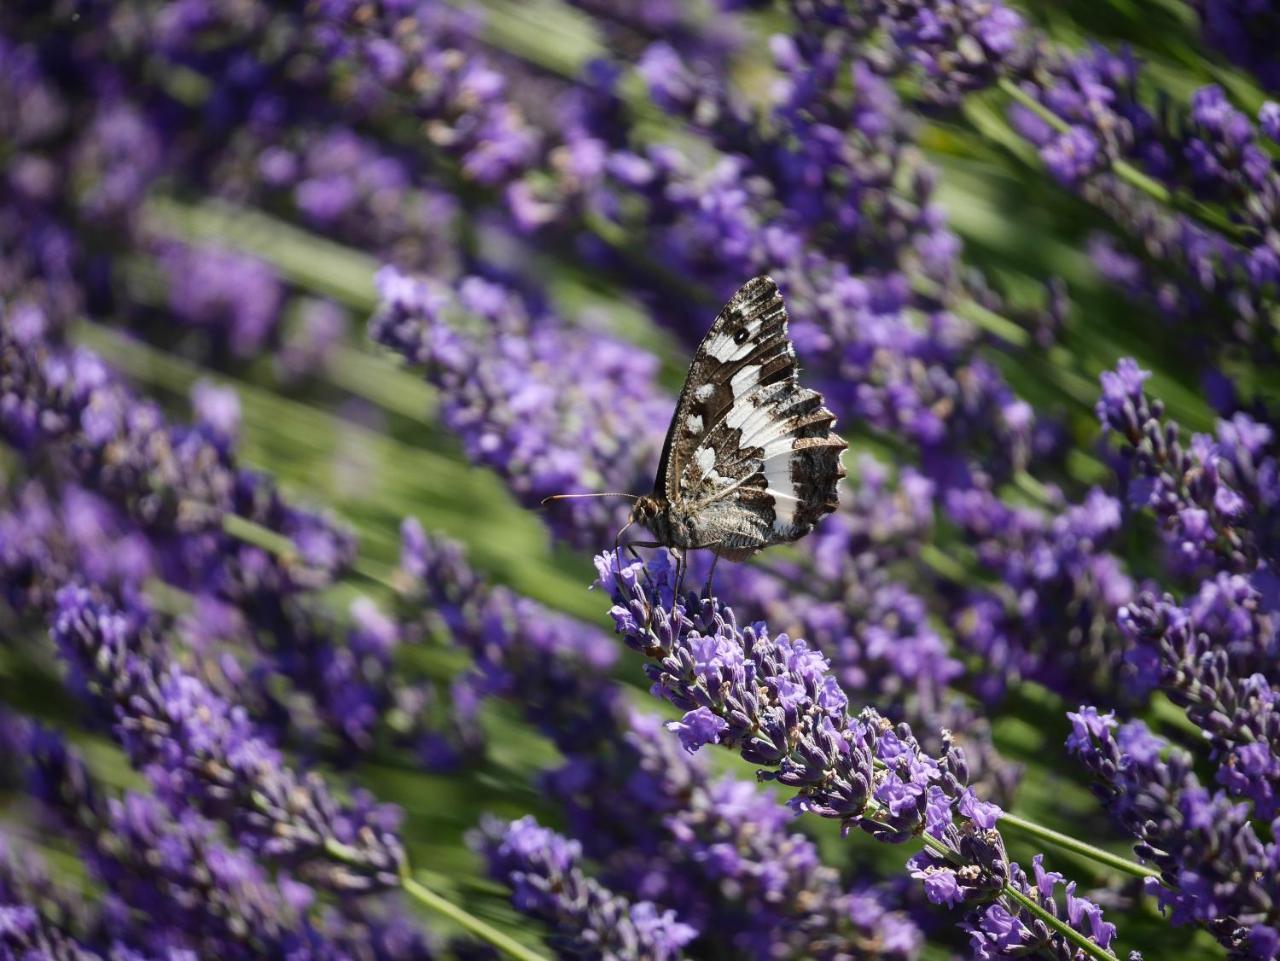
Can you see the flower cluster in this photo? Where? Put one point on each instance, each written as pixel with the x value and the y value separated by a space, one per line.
pixel 1058 592
pixel 1215 659
pixel 507 399
pixel 1214 869
pixel 199 750
pixel 542 870
pixel 1214 653
pixel 1204 519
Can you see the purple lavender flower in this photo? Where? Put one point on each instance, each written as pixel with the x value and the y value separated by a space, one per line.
pixel 37 908
pixel 958 46
pixel 1206 521
pixel 549 663
pixel 845 599
pixel 235 297
pixel 1269 120
pixel 431 58
pixel 1192 267
pixel 785 713
pixel 1056 580
pixel 46 539
pixel 1216 658
pixel 176 885
pixel 179 482
pixel 217 410
pixel 26 933
pixel 1239 31
pixel 1214 869
pixel 198 749
pixel 547 882
pixel 169 866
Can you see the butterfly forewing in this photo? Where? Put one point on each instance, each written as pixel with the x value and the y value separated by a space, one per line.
pixel 748 341
pixel 750 457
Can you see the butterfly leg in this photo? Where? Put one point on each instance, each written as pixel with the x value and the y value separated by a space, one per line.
pixel 706 588
pixel 682 565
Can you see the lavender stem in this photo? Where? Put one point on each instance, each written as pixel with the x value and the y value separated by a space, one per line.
pixel 1068 843
pixel 429 899
pixel 1068 932
pixel 243 529
pixel 443 906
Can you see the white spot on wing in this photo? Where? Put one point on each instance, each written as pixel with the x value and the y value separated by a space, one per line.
pixel 706 458
pixel 694 423
pixel 704 392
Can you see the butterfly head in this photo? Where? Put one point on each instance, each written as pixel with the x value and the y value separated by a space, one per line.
pixel 667 527
pixel 647 508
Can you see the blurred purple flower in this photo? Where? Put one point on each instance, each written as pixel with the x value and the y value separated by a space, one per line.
pixel 235 297
pixel 197 749
pixel 504 394
pixel 547 882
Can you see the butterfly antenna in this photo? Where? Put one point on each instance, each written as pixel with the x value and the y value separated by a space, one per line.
pixel 564 497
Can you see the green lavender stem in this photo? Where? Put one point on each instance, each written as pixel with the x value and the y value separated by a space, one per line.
pixel 443 906
pixel 486 932
pixel 1068 843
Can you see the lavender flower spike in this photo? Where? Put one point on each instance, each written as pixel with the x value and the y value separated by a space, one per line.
pixel 547 882
pixel 198 750
pixel 1215 871
pixel 776 703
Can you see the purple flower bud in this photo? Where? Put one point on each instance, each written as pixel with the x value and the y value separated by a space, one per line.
pixel 698 727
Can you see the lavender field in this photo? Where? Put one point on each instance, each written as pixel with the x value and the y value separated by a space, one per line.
pixel 305 309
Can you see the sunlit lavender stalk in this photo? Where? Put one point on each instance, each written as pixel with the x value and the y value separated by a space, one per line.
pixel 774 701
pixel 719 850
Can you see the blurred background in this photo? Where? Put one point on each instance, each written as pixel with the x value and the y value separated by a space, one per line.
pixel 306 309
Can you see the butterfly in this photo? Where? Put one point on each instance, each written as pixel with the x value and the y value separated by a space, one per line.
pixel 750 458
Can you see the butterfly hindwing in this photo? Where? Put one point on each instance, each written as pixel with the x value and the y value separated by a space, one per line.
pixel 750 459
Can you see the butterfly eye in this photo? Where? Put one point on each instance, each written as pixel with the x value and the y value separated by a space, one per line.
pixel 741 335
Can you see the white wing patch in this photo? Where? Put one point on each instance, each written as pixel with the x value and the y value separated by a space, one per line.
pixel 693 423
pixel 742 382
pixel 706 459
pixel 777 475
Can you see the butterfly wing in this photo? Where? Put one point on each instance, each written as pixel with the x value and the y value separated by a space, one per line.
pixel 750 456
